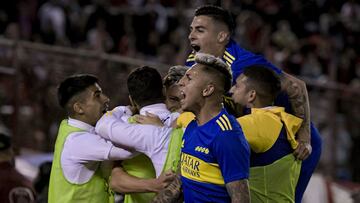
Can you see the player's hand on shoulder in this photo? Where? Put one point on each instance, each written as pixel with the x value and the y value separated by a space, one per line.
pixel 149 118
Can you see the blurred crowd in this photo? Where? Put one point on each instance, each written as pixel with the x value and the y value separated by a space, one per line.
pixel 300 36
pixel 315 39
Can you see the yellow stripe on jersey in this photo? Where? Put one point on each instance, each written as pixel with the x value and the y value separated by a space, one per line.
pixel 227 121
pixel 224 123
pixel 198 170
pixel 221 126
pixel 191 57
pixel 229 64
pixel 228 60
pixel 229 55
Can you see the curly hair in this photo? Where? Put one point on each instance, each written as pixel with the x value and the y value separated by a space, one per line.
pixel 174 74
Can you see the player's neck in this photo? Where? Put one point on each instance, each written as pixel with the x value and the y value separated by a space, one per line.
pixel 83 118
pixel 220 52
pixel 208 112
pixel 259 104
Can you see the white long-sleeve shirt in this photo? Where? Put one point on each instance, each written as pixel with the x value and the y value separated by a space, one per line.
pixel 84 151
pixel 148 139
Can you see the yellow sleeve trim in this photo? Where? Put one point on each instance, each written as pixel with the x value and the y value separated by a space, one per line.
pixel 220 124
pixel 227 121
pixel 229 55
pixel 224 123
pixel 229 64
pixel 228 60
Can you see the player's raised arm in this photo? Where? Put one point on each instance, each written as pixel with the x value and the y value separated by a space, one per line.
pixel 299 100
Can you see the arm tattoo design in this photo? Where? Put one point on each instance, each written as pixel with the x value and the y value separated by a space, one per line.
pixel 171 194
pixel 239 191
pixel 298 96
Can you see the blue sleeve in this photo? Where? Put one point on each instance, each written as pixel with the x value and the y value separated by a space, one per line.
pixel 249 60
pixel 189 63
pixel 232 154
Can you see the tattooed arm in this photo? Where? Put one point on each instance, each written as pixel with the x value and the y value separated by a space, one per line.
pixel 298 96
pixel 171 194
pixel 239 191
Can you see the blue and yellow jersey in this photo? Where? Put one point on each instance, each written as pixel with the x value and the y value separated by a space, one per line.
pixel 212 155
pixel 238 59
pixel 274 171
pixel 270 133
pixel 184 119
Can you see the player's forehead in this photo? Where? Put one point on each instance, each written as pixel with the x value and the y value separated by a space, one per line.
pixel 94 88
pixel 202 20
pixel 241 79
pixel 195 69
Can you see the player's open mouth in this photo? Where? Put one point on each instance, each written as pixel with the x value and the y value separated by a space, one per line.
pixel 106 108
pixel 182 98
pixel 195 47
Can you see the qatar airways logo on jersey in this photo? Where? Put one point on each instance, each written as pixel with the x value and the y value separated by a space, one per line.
pixel 189 165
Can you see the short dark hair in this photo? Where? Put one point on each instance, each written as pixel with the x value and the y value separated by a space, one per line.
pixel 216 65
pixel 74 85
pixel 174 74
pixel 145 85
pixel 218 14
pixel 264 81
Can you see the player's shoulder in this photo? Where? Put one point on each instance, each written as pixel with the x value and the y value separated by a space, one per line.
pixel 184 119
pixel 190 59
pixel 190 127
pixel 226 123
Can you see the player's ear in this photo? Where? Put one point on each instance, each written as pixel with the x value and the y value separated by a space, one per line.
pixel 251 96
pixel 223 36
pixel 209 89
pixel 77 108
pixel 133 105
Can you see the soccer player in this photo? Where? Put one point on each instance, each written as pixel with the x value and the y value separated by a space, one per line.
pixel 210 32
pixel 270 131
pixel 172 100
pixel 215 154
pixel 160 145
pixel 171 87
pixel 78 172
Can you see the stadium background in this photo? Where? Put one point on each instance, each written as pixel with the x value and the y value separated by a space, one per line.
pixel 44 41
